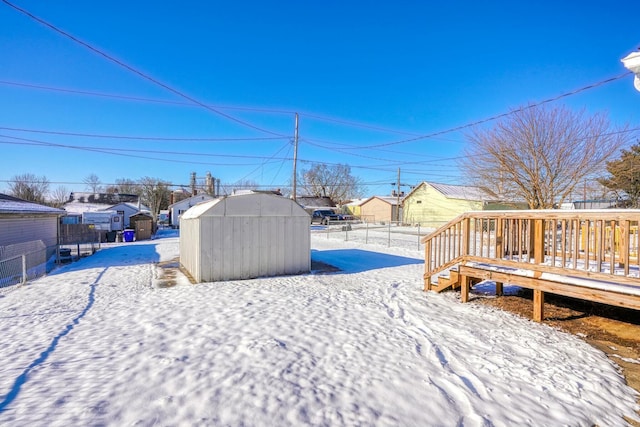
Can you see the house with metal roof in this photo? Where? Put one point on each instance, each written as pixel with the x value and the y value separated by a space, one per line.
pixel 432 204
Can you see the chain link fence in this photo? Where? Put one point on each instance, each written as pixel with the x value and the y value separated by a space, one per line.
pixel 21 262
pixel 387 234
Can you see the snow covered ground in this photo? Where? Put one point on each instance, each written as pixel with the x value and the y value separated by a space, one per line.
pixel 106 341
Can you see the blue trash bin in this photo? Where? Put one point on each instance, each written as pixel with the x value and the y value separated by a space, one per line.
pixel 128 235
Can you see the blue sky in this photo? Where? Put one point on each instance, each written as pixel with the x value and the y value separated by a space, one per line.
pixel 363 77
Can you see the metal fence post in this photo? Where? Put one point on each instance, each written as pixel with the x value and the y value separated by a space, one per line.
pixel 366 234
pixel 24 269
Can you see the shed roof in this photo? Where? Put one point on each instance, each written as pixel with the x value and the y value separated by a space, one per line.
pixel 10 204
pixel 255 204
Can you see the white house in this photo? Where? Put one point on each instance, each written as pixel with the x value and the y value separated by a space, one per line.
pixel 178 208
pixel 125 205
pixel 245 236
pixel 126 210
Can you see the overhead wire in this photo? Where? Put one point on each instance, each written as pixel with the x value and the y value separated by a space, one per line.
pixel 136 71
pixel 123 151
pixel 344 149
pixel 498 116
pixel 141 99
pixel 141 138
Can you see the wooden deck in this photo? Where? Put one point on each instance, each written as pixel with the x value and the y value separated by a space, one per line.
pixel 586 254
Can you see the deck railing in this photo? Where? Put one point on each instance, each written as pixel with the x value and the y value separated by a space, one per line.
pixel 591 244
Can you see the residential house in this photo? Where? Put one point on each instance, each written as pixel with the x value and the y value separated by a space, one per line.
pixel 380 209
pixel 22 223
pixel 178 208
pixel 126 211
pixel 432 204
pixel 125 205
pixel 353 207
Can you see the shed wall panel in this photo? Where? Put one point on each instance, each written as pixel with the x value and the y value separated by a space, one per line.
pixel 189 247
pixel 242 241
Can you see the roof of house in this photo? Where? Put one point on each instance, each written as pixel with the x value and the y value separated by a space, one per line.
pixel 460 192
pixel 357 202
pixel 192 200
pixel 109 199
pixel 10 204
pixel 388 199
pixel 76 207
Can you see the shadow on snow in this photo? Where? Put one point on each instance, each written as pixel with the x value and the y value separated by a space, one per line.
pixel 358 261
pixel 126 254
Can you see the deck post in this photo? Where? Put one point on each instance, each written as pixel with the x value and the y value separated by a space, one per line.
pixel 499 289
pixel 623 243
pixel 538 305
pixel 466 231
pixel 538 241
pixel 427 266
pixel 499 238
pixel 464 288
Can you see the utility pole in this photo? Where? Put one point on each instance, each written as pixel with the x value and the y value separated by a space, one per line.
pixel 295 160
pixel 398 199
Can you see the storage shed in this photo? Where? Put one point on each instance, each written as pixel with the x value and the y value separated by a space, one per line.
pixel 245 236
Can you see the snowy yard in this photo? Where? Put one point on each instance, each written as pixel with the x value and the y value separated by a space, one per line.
pixel 104 341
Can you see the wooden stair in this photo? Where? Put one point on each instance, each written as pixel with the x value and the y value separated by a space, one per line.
pixel 446 281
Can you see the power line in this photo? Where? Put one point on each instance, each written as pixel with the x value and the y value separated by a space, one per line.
pixel 498 116
pixel 141 138
pixel 123 152
pixel 141 99
pixel 136 71
pixel 356 124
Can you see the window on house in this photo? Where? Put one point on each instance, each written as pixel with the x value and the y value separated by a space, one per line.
pixel 418 201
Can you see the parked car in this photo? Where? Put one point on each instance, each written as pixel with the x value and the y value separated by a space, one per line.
pixel 323 216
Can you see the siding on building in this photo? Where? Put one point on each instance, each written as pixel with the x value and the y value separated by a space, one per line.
pixel 125 210
pixel 427 206
pixel 24 228
pixel 178 208
pixel 379 209
pixel 22 221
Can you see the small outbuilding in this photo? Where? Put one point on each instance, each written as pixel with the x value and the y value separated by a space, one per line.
pixel 245 236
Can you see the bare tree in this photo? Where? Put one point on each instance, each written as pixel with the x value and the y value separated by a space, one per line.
pixel 154 193
pixel 29 187
pixel 334 181
pixel 540 155
pixel 124 186
pixel 59 196
pixel 93 183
